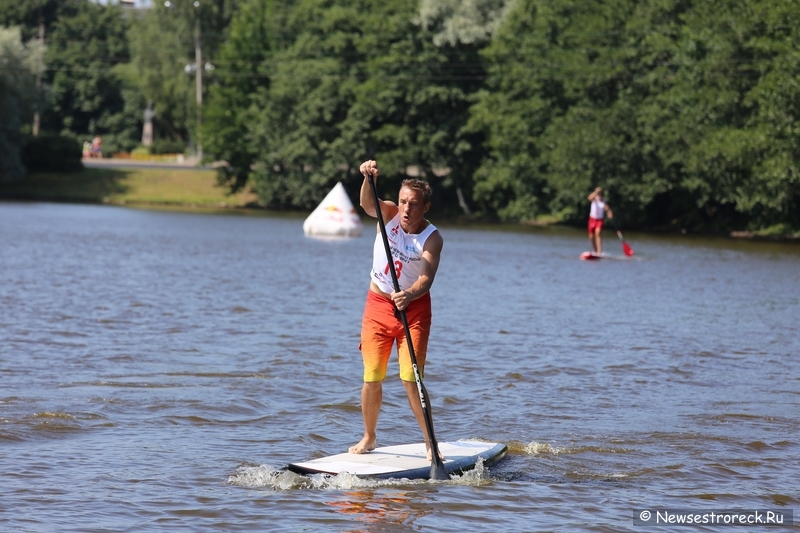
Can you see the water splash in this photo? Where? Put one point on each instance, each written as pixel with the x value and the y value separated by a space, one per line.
pixel 267 476
pixel 534 448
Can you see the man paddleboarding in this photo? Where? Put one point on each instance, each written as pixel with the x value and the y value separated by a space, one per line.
pixel 416 246
pixel 596 214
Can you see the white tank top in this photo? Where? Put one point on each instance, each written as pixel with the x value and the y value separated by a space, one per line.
pixel 598 209
pixel 407 254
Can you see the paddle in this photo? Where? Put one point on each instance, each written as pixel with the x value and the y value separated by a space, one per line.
pixel 438 470
pixel 625 248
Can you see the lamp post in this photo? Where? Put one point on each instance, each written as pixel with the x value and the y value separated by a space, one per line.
pixel 197 67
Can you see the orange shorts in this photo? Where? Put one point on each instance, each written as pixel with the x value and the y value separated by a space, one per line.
pixel 595 223
pixel 380 329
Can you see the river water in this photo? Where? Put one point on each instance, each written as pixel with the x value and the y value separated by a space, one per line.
pixel 159 369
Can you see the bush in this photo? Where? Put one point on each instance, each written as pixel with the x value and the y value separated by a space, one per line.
pixel 53 153
pixel 167 146
pixel 115 143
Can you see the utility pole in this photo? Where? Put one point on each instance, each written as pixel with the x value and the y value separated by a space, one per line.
pixel 36 116
pixel 198 77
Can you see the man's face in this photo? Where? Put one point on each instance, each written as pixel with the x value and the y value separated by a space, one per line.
pixel 412 208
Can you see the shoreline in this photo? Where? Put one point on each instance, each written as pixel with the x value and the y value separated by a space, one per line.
pixel 254 209
pixel 181 186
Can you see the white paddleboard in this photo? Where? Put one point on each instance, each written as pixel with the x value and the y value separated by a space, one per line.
pixel 407 461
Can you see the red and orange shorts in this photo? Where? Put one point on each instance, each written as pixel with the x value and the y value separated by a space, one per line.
pixel 595 223
pixel 380 329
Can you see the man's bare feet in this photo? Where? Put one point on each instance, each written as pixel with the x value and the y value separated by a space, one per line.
pixel 365 446
pixel 430 455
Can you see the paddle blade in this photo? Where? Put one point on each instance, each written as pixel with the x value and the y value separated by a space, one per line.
pixel 627 249
pixel 438 471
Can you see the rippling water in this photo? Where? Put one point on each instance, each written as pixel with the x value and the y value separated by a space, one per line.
pixel 159 369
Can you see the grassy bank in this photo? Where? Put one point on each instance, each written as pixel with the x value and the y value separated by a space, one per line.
pixel 132 186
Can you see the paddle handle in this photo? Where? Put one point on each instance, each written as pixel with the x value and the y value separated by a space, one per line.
pixel 437 467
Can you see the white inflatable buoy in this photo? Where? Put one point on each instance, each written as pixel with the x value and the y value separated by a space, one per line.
pixel 334 217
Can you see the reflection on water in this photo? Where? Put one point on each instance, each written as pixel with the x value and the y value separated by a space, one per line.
pixel 389 507
pixel 160 369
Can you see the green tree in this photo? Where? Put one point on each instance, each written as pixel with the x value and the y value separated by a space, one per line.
pixel 30 15
pixel 672 105
pixel 310 91
pixel 463 21
pixel 86 93
pixel 35 18
pixel 333 84
pixel 619 58
pixel 418 93
pixel 522 95
pixel 18 69
pixel 161 46
pixel 163 42
pixel 736 90
pixel 241 76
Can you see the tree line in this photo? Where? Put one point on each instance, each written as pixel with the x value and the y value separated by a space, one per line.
pixel 686 111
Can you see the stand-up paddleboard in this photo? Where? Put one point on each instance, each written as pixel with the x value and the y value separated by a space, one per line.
pixel 593 256
pixel 407 461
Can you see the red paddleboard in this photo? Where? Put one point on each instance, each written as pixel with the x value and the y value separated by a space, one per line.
pixel 594 256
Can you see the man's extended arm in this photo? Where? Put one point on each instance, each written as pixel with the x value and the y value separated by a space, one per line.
pixel 431 253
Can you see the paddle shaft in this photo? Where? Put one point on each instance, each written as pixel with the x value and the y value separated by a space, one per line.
pixel 437 467
pixel 625 248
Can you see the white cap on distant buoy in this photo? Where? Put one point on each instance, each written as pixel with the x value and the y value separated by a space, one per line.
pixel 335 216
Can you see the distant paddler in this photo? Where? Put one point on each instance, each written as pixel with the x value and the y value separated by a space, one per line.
pixel 596 214
pixel 416 246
